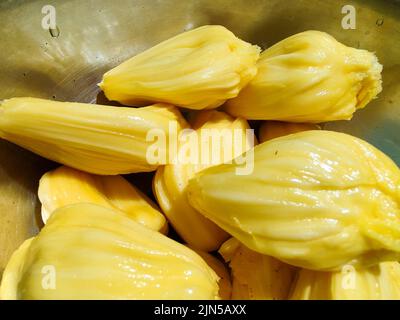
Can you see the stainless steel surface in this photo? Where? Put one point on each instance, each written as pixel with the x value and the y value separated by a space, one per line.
pixel 19 208
pixel 95 35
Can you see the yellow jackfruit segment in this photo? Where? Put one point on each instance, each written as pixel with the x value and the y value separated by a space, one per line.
pixel 315 199
pixel 225 286
pixel 64 186
pixel 97 139
pixel 256 276
pixel 12 274
pixel 170 181
pixel 309 77
pixel 197 69
pixel 273 129
pixel 86 251
pixel 380 282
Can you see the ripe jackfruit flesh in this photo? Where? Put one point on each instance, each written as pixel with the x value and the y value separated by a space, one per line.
pixel 380 282
pixel 98 139
pixel 170 181
pixel 87 251
pixel 273 129
pixel 225 286
pixel 256 276
pixel 12 274
pixel 315 199
pixel 64 186
pixel 309 77
pixel 197 69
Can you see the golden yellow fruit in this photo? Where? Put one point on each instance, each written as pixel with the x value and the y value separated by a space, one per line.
pixel 315 199
pixel 64 186
pixel 197 69
pixel 170 181
pixel 309 77
pixel 380 282
pixel 86 251
pixel 225 286
pixel 12 274
pixel 256 276
pixel 97 139
pixel 273 129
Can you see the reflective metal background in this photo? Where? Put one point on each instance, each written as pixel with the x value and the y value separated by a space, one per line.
pixel 95 35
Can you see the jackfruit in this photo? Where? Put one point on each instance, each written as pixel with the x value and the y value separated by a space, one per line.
pixel 380 282
pixel 98 139
pixel 225 286
pixel 64 186
pixel 12 275
pixel 198 69
pixel 315 199
pixel 256 276
pixel 309 77
pixel 273 129
pixel 218 130
pixel 86 251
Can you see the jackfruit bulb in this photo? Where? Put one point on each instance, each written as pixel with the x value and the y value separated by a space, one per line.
pixel 94 138
pixel 64 186
pixel 309 77
pixel 218 138
pixel 315 199
pixel 12 274
pixel 86 251
pixel 197 69
pixel 225 285
pixel 380 282
pixel 256 276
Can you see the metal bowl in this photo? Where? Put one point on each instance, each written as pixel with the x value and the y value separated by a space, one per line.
pixel 92 36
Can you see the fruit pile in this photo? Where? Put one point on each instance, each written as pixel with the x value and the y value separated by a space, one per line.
pixel 294 212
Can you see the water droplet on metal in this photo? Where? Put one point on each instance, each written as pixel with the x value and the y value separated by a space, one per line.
pixel 55 32
pixel 379 22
